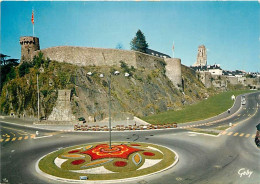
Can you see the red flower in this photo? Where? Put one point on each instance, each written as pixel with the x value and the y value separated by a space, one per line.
pixel 74 151
pixel 77 162
pixel 148 154
pixel 135 145
pixel 120 164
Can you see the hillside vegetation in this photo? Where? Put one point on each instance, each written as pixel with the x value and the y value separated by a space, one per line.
pixel 145 92
pixel 213 106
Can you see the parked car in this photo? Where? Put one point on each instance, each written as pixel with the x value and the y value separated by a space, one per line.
pixel 243 100
pixel 81 119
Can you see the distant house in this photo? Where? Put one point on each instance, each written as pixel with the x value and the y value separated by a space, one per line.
pixel 156 53
pixel 236 73
pixel 213 69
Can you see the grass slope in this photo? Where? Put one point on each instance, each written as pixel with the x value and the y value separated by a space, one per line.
pixel 205 109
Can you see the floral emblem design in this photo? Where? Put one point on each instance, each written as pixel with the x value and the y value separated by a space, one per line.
pixel 99 159
pixel 116 151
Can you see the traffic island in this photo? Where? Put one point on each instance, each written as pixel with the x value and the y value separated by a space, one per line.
pixel 99 161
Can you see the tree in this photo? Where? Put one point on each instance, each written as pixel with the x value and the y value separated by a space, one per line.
pixel 38 60
pixel 13 62
pixel 7 71
pixel 119 46
pixel 24 68
pixel 139 43
pixel 3 58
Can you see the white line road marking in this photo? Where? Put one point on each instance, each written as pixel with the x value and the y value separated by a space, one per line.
pixel 43 137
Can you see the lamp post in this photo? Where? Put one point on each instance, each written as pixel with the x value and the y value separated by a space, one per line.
pixel 109 101
pixel 38 97
pixel 109 108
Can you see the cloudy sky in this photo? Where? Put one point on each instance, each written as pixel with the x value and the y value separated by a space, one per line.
pixel 229 30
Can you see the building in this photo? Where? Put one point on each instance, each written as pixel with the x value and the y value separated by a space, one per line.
pixel 201 57
pixel 212 69
pixel 156 53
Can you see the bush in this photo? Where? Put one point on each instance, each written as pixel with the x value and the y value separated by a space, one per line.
pixel 44 92
pixel 12 74
pixel 104 83
pixel 24 69
pixel 38 60
pixel 126 68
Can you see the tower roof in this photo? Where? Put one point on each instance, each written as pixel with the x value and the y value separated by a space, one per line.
pixel 202 46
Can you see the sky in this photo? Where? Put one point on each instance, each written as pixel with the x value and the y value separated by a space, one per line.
pixel 229 30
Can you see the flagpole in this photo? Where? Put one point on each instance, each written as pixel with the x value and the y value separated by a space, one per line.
pixel 173 50
pixel 32 19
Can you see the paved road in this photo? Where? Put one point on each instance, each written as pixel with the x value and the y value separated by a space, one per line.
pixel 203 158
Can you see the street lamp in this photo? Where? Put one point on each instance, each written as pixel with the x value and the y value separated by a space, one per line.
pixel 109 108
pixel 109 99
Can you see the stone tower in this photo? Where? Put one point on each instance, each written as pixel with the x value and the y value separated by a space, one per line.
pixel 202 56
pixel 29 44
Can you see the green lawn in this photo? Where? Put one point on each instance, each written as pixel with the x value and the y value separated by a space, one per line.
pixel 205 109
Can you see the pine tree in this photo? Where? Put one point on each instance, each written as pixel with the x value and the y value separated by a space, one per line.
pixel 139 43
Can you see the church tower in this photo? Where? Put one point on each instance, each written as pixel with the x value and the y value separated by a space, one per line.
pixel 29 44
pixel 202 56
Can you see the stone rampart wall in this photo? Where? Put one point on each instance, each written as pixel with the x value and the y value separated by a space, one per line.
pixel 147 61
pixel 233 80
pixel 221 81
pixel 85 56
pixel 205 78
pixel 251 81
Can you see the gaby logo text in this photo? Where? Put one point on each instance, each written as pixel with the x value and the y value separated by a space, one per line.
pixel 245 172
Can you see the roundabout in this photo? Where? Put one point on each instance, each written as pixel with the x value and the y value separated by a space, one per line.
pixel 98 161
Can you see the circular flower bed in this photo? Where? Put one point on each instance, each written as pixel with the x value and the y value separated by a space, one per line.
pixel 102 162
